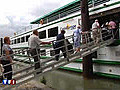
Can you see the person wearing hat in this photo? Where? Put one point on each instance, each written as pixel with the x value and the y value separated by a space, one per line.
pixel 95 31
pixel 112 28
pixel 59 45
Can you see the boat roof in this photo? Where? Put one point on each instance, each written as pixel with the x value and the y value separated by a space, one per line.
pixel 66 7
pixel 55 11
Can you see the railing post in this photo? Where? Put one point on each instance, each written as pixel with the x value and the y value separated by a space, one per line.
pixel 59 15
pixel 101 35
pixel 86 40
pixel 28 53
pixel 112 34
pixel 47 20
pixel 93 3
pixel 38 55
pixel 66 50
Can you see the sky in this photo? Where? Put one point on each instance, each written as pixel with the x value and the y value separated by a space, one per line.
pixel 15 15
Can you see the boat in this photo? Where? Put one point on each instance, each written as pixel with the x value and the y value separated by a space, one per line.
pixel 106 61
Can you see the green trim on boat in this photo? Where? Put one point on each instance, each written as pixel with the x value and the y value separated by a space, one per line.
pixel 47 45
pixel 115 43
pixel 21 48
pixel 95 73
pixel 107 75
pixel 71 69
pixel 78 60
pixel 106 62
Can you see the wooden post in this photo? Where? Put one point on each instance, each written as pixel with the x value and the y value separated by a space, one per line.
pixel 87 60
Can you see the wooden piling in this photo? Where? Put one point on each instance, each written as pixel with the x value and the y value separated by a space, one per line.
pixel 87 60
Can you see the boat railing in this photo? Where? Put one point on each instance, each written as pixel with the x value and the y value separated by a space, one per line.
pixel 27 72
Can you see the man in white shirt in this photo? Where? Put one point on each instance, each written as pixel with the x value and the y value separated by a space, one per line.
pixel 34 46
pixel 95 31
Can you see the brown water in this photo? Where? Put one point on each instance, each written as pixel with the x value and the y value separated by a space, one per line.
pixel 65 80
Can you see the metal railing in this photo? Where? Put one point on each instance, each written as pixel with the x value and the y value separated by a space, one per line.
pixel 28 71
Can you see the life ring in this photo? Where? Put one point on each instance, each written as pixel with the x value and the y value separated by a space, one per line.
pixel 41 21
pixel 14 33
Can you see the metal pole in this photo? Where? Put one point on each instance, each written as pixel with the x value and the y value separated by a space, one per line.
pixel 66 49
pixel 87 60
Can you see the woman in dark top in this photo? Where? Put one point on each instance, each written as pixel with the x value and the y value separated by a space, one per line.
pixel 7 58
pixel 59 45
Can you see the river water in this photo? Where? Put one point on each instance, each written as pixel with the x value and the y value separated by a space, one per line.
pixel 66 80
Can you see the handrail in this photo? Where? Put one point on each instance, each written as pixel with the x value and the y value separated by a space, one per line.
pixel 50 63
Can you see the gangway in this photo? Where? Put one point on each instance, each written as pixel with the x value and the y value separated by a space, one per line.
pixel 28 72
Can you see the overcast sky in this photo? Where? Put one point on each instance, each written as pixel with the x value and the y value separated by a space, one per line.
pixel 16 14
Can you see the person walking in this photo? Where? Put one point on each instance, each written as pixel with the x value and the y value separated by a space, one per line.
pixel 34 46
pixel 59 45
pixel 77 38
pixel 96 31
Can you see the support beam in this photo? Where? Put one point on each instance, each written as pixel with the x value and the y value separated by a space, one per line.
pixel 87 60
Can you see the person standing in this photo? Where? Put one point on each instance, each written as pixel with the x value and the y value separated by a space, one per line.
pixel 112 28
pixel 77 38
pixel 59 45
pixel 34 46
pixel 95 31
pixel 7 58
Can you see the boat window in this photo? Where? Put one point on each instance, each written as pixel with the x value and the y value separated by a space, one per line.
pixel 69 11
pixel 12 42
pixel 42 34
pixel 53 17
pixel 79 21
pixel 27 37
pixel 15 41
pixel 53 32
pixel 98 2
pixel 22 39
pixel 18 40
